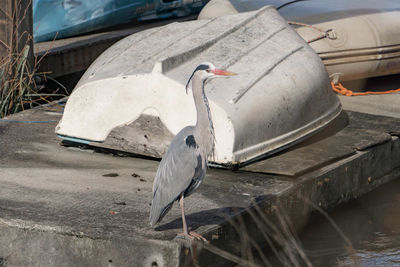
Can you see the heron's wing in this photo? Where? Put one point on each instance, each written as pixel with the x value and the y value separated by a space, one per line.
pixel 179 172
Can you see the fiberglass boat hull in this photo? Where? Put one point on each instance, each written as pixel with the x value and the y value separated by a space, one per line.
pixel 132 98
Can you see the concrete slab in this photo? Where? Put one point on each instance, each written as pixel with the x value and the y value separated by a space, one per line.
pixel 63 206
pixel 342 138
pixel 383 105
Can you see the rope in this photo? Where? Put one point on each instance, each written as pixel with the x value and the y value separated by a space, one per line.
pixel 286 4
pixel 305 25
pixel 340 89
pixel 330 34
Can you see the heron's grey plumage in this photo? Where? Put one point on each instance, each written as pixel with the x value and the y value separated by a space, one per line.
pixel 167 187
pixel 184 165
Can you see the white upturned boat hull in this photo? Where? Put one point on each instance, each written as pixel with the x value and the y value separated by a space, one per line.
pixel 133 98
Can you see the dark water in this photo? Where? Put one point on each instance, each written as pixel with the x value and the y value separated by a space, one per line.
pixel 372 225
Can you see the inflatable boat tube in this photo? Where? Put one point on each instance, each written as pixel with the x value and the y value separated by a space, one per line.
pixel 362 37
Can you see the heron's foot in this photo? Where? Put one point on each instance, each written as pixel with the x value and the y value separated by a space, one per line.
pixel 191 235
pixel 197 236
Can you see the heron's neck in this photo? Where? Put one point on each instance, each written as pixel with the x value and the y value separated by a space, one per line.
pixel 204 129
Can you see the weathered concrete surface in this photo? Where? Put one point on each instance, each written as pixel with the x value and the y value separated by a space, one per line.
pixel 63 206
pixel 384 105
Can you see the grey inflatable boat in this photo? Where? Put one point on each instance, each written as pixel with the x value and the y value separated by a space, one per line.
pixel 355 39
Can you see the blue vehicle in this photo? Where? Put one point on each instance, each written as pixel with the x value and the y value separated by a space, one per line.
pixel 55 19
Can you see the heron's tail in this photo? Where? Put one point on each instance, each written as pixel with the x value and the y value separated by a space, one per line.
pixel 154 215
pixel 157 212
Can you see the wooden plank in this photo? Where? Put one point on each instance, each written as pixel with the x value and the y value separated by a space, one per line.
pixel 312 155
pixel 380 123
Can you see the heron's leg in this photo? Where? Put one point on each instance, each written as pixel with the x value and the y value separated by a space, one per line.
pixel 185 230
pixel 186 233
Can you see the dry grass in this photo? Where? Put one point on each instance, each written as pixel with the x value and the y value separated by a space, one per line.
pixel 18 74
pixel 280 240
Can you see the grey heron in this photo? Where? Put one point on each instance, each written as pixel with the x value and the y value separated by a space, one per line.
pixel 184 165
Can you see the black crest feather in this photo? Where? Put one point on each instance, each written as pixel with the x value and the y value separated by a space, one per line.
pixel 199 67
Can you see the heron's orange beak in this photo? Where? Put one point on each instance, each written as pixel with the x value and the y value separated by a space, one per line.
pixel 223 72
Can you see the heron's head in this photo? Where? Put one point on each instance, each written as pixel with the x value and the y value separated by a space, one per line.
pixel 207 71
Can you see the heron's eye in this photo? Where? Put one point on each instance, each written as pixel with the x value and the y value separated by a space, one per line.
pixel 208 70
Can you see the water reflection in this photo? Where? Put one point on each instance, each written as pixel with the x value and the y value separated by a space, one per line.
pixel 372 223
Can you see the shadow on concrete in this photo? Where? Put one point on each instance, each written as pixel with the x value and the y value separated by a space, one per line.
pixel 202 218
